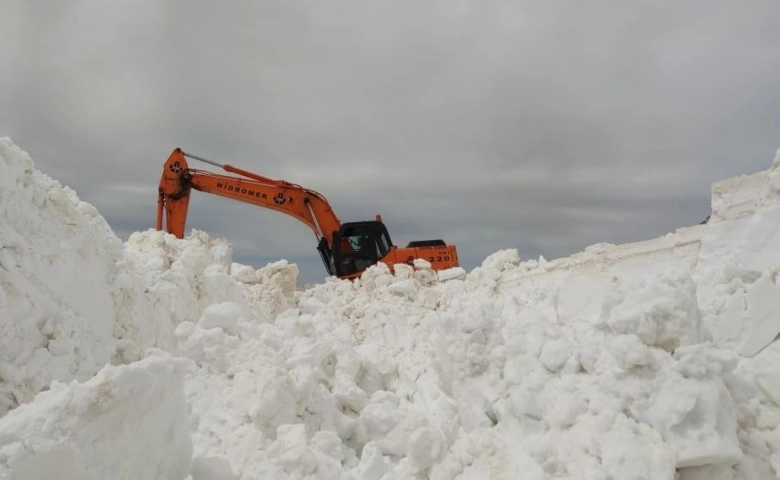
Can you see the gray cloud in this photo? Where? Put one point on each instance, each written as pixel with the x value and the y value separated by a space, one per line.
pixel 542 126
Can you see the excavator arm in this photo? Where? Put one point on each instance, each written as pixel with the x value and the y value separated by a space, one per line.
pixel 346 249
pixel 306 205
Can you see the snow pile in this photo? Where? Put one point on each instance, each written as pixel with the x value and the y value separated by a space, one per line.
pixel 454 379
pixel 638 361
pixel 163 281
pixel 73 298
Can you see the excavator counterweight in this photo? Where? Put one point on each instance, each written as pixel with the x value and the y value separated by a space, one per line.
pixel 347 249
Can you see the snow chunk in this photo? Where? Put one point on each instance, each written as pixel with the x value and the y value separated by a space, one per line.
pixel 661 310
pixel 127 422
pixel 223 315
pixel 501 260
pixel 631 451
pixel 451 274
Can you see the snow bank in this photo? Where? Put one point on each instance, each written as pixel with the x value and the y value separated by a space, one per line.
pixel 623 361
pixel 73 298
pixel 57 257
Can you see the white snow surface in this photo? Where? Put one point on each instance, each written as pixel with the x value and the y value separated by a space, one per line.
pixel 160 358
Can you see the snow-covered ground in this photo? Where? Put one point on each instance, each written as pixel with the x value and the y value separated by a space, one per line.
pixel 159 358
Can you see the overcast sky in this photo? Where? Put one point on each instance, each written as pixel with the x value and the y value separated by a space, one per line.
pixel 544 126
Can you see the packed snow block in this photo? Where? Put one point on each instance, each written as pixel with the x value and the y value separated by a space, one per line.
pixel 661 309
pixel 632 451
pixel 373 465
pixel 127 422
pixel 758 249
pixel 697 420
pixel 760 312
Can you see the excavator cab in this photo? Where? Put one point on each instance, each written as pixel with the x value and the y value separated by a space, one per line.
pixel 359 245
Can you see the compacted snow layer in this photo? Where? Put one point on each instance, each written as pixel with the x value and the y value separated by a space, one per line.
pixel 627 362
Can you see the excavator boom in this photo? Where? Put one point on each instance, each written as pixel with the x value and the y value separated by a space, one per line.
pixel 178 179
pixel 346 249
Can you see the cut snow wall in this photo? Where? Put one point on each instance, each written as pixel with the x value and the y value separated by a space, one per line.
pixel 57 257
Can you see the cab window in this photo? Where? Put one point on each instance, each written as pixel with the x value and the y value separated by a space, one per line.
pixel 382 244
pixel 359 241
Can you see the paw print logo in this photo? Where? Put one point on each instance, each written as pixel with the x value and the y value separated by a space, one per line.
pixel 176 167
pixel 279 199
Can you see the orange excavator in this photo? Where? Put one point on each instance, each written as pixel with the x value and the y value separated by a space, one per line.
pixel 347 249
